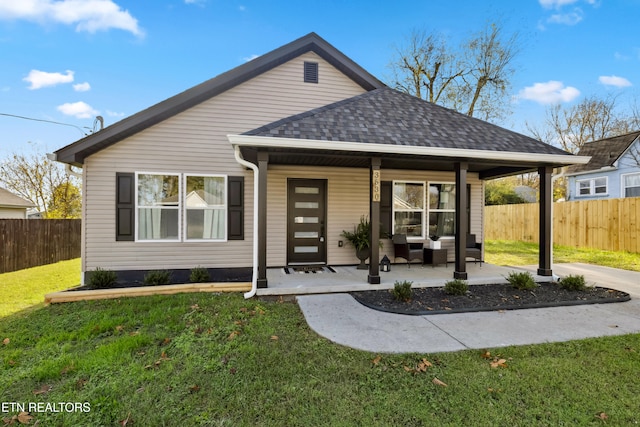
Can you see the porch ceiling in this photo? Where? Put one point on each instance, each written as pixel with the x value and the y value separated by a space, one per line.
pixel 486 168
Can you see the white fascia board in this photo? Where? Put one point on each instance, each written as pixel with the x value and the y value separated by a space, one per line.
pixel 592 171
pixel 311 144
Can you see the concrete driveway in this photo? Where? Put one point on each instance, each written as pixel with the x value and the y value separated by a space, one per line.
pixel 341 319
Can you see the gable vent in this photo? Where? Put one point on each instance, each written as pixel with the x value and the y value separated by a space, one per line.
pixel 311 72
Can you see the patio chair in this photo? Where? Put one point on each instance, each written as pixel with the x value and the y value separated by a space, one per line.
pixel 402 249
pixel 473 249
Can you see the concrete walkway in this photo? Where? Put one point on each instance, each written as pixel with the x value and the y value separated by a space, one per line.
pixel 341 319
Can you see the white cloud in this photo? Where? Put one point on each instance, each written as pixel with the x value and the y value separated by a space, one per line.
pixel 242 8
pixel 87 15
pixel 80 110
pixel 40 79
pixel 551 92
pixel 82 87
pixel 114 114
pixel 250 58
pixel 550 4
pixel 614 81
pixel 571 18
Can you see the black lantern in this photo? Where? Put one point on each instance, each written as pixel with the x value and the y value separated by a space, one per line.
pixel 385 264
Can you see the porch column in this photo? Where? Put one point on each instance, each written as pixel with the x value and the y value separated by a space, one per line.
pixel 263 164
pixel 374 215
pixel 462 227
pixel 546 217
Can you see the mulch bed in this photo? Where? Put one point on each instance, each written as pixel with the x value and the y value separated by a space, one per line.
pixel 487 298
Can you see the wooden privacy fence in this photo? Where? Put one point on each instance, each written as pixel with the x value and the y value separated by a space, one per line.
pixel 612 224
pixel 28 243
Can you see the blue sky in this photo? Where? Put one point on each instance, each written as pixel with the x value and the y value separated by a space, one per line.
pixel 70 60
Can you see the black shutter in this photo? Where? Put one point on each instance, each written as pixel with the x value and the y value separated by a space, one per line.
pixel 125 205
pixel 235 207
pixel 386 207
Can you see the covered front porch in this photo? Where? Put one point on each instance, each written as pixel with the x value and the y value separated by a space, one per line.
pixel 350 279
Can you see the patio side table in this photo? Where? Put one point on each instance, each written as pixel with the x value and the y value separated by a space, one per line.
pixel 435 256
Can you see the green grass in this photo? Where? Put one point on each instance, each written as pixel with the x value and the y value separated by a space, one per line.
pixel 220 360
pixel 502 252
pixel 24 288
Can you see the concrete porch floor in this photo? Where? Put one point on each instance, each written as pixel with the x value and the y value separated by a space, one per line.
pixel 348 278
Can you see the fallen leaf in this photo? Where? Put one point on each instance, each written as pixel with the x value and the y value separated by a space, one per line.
pixel 233 334
pixel 244 309
pixel 166 341
pixel 436 381
pixel 140 390
pixel 6 341
pixel 274 338
pixel 195 307
pixel 81 383
pixel 119 328
pixel 12 363
pixel 232 371
pixel 486 354
pixel 502 363
pixel 24 418
pixel 43 389
pixel 408 369
pixel 163 356
pixel 194 388
pixel 602 416
pixel 126 421
pixel 376 360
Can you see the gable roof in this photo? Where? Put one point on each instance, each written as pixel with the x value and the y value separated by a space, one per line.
pixel 76 152
pixel 387 116
pixel 604 152
pixel 10 200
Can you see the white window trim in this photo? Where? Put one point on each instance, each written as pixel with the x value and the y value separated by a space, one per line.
pixel 179 208
pixel 592 187
pixel 447 237
pixel 182 208
pixel 623 187
pixel 423 210
pixel 224 208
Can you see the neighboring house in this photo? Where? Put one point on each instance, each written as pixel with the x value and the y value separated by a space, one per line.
pixel 12 206
pixel 613 171
pixel 285 152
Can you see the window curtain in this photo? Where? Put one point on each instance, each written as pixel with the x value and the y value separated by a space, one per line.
pixel 632 186
pixel 214 219
pixel 149 219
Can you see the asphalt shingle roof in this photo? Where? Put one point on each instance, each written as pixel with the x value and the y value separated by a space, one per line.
pixel 604 152
pixel 9 199
pixel 387 116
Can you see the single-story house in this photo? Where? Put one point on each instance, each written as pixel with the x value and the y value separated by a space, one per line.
pixel 284 153
pixel 12 206
pixel 613 171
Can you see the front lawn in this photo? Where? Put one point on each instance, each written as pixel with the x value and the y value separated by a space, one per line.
pixel 220 360
pixel 503 252
pixel 24 288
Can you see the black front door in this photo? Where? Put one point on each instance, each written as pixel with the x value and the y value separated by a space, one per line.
pixel 306 221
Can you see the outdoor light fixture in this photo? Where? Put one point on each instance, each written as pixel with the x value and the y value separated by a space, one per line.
pixel 385 264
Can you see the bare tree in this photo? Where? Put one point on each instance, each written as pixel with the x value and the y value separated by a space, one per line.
pixel 423 67
pixel 592 119
pixel 473 79
pixel 35 178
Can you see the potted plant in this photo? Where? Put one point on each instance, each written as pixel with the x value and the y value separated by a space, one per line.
pixel 434 242
pixel 360 239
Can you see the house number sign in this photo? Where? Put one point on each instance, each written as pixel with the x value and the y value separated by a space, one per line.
pixel 376 185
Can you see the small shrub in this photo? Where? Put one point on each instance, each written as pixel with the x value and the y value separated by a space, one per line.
pixel 157 277
pixel 402 291
pixel 199 275
pixel 523 280
pixel 573 283
pixel 100 279
pixel 456 287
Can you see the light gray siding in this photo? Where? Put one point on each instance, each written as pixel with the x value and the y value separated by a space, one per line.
pixel 195 141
